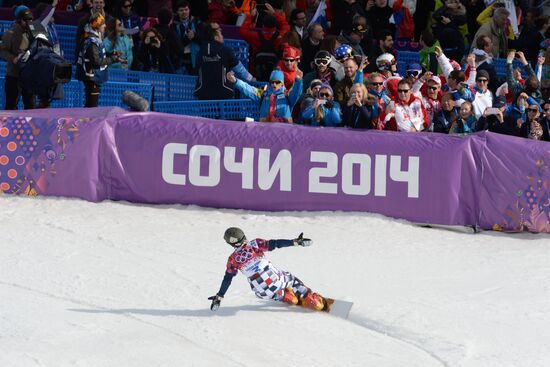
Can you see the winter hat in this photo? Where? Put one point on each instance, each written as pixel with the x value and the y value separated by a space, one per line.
pixel 96 21
pixel 315 83
pixel 290 52
pixel 327 86
pixel 22 12
pixel 482 73
pixel 277 75
pixel 435 79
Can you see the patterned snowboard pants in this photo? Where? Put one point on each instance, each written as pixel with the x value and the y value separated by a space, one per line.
pixel 268 284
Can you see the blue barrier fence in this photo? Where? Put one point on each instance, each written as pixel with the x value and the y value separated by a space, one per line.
pixel 111 94
pixel 67 34
pixel 230 109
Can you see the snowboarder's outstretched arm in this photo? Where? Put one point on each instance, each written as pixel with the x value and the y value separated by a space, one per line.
pixel 300 241
pixel 226 282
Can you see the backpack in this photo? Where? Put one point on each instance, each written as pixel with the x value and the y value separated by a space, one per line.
pixel 266 56
pixel 41 70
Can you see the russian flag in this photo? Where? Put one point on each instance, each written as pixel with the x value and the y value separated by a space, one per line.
pixel 320 15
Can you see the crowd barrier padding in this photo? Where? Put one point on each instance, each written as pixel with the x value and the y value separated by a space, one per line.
pixel 99 154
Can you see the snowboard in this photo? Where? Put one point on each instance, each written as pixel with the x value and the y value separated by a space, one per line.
pixel 338 307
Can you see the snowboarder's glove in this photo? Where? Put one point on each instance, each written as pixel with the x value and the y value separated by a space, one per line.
pixel 216 300
pixel 301 241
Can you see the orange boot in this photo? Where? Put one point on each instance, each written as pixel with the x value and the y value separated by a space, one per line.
pixel 314 301
pixel 289 296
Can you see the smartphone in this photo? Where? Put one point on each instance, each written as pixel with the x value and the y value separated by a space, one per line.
pixel 354 94
pixel 322 101
pixel 492 110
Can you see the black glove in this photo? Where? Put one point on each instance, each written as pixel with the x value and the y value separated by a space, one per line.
pixel 301 241
pixel 216 300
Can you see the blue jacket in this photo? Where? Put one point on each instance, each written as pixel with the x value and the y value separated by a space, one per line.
pixel 124 45
pixel 332 116
pixel 285 103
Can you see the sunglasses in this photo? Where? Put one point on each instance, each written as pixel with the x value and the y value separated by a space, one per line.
pixel 432 88
pixel 403 90
pixel 482 80
pixel 376 83
pixel 532 110
pixel 321 62
pixel 276 82
pixel 290 60
pixel 413 72
pixel 327 95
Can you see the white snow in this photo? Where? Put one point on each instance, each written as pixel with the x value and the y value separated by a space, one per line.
pixel 126 285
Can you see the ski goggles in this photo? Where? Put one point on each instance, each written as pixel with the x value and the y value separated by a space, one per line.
pixel 413 73
pixel 321 62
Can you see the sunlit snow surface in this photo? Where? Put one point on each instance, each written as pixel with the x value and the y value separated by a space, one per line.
pixel 126 285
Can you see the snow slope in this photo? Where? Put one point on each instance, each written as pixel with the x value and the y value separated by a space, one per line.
pixel 120 284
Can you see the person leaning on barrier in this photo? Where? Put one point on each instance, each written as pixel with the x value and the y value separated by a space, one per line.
pixel 275 104
pixel 361 110
pixel 15 43
pixel 91 66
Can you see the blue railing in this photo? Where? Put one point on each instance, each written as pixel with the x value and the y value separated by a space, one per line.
pixel 111 94
pixel 229 109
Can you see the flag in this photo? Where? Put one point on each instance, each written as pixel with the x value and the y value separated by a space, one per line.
pixel 320 15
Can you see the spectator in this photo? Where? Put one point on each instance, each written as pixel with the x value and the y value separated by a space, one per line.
pixel 530 43
pixel 324 111
pixel 378 14
pixel 386 65
pixel 14 44
pixel 532 84
pixel 153 54
pixel 384 44
pixel 311 94
pixel 289 64
pixel 532 128
pixel 354 37
pixel 516 114
pixel 298 22
pixel 483 97
pixel 493 119
pixel 91 66
pixel 133 26
pixel 186 26
pixel 407 113
pixel 47 20
pixel 361 110
pixel 428 58
pixel 275 104
pixel 545 120
pixel 321 70
pixel 466 121
pixel 311 45
pixel 494 29
pixel 484 61
pixel 428 88
pixel 421 15
pixel 213 62
pixel 222 12
pixel 98 7
pixel 447 20
pixel 117 41
pixel 265 41
pixel 375 87
pixel 344 10
pixel 353 74
pixel 447 115
pixel 174 47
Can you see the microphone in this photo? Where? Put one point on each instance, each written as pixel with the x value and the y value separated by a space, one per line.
pixel 135 101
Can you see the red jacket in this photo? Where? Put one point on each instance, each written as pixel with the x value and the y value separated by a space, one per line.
pixel 250 34
pixel 219 14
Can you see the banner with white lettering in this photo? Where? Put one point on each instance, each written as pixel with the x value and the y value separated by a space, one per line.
pixel 99 154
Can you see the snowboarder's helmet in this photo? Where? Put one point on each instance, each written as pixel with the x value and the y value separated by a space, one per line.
pixel 385 61
pixel 234 236
pixel 343 52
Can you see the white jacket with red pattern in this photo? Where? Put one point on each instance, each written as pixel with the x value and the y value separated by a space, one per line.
pixel 410 117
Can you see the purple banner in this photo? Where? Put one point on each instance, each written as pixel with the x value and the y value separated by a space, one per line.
pixel 98 154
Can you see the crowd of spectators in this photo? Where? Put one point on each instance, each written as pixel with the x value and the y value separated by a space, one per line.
pixel 329 63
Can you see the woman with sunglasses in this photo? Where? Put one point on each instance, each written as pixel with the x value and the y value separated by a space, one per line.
pixel 275 104
pixel 324 111
pixel 407 113
pixel 361 111
pixel 321 70
pixel 533 128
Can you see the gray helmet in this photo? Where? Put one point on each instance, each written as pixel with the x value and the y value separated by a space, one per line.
pixel 234 236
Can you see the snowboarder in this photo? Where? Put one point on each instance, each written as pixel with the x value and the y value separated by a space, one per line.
pixel 264 278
